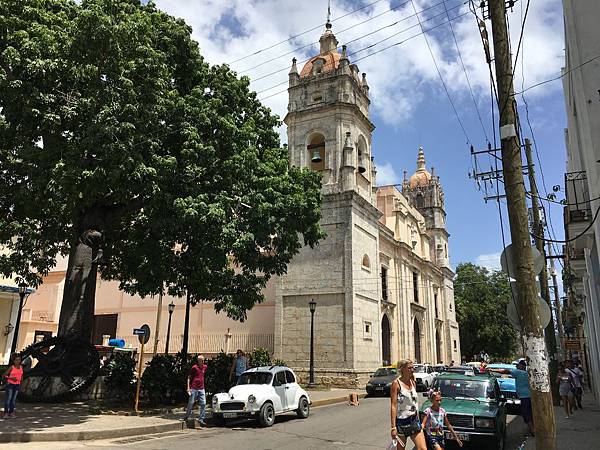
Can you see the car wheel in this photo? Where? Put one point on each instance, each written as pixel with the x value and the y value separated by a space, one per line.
pixel 498 443
pixel 303 408
pixel 266 416
pixel 219 420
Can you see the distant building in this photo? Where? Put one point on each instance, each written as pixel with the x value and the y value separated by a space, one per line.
pixel 582 185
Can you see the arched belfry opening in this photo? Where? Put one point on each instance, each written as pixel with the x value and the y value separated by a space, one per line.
pixel 363 157
pixel 417 339
pixel 316 152
pixel 386 341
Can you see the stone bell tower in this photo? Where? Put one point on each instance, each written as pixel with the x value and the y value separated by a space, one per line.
pixel 329 131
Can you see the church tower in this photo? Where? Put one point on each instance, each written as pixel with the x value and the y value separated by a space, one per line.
pixel 424 191
pixel 329 131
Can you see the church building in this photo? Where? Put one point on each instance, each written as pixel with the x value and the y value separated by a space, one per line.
pixel 381 279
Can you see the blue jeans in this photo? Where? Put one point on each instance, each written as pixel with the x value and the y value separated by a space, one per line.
pixel 196 394
pixel 11 397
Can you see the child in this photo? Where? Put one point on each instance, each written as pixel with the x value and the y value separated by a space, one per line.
pixel 434 420
pixel 13 377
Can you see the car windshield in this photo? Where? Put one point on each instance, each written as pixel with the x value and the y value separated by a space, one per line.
pixel 255 378
pixel 385 371
pixel 465 388
pixel 419 368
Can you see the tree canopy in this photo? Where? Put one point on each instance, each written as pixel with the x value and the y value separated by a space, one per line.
pixel 112 124
pixel 481 298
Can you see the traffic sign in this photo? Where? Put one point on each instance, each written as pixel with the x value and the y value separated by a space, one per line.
pixel 143 333
pixel 508 265
pixel 543 311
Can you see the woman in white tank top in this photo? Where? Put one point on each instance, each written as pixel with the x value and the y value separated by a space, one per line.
pixel 405 409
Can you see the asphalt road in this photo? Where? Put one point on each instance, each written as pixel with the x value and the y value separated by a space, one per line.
pixel 339 426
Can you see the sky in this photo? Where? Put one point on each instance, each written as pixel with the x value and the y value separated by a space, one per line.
pixel 410 104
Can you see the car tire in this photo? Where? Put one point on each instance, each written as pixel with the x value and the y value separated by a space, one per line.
pixel 303 410
pixel 266 416
pixel 219 420
pixel 498 444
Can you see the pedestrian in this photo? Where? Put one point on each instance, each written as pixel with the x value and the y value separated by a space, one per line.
pixel 404 408
pixel 433 423
pixel 239 366
pixel 452 363
pixel 195 388
pixel 565 388
pixel 522 387
pixel 577 375
pixel 13 377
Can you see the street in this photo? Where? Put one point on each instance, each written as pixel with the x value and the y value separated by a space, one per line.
pixel 328 427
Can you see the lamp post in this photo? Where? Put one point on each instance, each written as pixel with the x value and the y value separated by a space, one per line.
pixel 22 292
pixel 312 305
pixel 171 309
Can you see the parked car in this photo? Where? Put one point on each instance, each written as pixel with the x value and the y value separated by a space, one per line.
pixel 465 370
pixel 262 393
pixel 475 407
pixel 381 380
pixel 423 376
pixel 507 387
pixel 438 368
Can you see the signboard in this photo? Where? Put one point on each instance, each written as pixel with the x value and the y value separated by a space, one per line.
pixel 573 345
pixel 143 333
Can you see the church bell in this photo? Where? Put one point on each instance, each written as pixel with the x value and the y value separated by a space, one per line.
pixel 316 156
pixel 361 165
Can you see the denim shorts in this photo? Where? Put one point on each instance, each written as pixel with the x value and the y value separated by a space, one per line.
pixel 439 440
pixel 408 426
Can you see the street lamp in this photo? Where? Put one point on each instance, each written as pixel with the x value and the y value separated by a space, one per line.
pixel 171 309
pixel 22 292
pixel 312 305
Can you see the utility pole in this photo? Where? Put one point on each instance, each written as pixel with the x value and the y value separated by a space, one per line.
pixel 538 231
pixel 561 331
pixel 527 298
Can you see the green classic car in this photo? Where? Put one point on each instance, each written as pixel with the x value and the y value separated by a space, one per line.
pixel 476 409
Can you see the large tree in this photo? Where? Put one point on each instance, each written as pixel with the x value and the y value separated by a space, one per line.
pixel 481 298
pixel 121 147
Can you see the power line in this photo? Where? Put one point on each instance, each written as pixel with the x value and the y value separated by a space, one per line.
pixel 465 71
pixel 440 75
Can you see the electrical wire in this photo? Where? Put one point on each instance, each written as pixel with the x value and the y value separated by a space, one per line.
pixel 573 238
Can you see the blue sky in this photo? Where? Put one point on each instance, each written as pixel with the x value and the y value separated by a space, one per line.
pixel 409 105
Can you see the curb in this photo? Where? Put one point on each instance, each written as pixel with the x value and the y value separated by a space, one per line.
pixel 89 434
pixel 334 400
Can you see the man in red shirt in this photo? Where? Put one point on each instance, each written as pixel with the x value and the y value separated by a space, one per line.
pixel 195 388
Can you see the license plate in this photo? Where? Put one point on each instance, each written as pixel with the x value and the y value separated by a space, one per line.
pixel 229 415
pixel 462 436
pixel 379 388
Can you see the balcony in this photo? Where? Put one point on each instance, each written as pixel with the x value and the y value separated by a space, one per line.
pixel 578 211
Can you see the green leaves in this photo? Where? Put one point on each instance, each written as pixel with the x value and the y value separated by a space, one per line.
pixel 111 119
pixel 481 298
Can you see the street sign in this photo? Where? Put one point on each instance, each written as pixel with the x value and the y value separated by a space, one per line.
pixel 573 345
pixel 544 312
pixel 507 261
pixel 143 333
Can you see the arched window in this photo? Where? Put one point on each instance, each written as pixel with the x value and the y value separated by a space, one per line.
pixel 366 262
pixel 363 157
pixel 420 200
pixel 316 152
pixel 318 66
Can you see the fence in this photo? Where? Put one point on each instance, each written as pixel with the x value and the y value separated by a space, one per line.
pixel 31 315
pixel 207 343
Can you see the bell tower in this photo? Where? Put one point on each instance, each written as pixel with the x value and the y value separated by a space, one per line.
pixel 328 124
pixel 329 131
pixel 424 191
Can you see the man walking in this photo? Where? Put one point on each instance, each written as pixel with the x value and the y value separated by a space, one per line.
pixel 522 387
pixel 195 388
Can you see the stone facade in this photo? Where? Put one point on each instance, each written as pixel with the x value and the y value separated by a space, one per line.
pixel 381 278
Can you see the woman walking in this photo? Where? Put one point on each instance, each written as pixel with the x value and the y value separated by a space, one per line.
pixel 404 408
pixel 13 377
pixel 565 389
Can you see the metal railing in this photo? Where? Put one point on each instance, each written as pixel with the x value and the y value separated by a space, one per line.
pixel 32 315
pixel 578 207
pixel 209 343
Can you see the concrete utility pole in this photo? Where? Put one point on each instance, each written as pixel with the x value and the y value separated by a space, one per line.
pixel 561 331
pixel 527 298
pixel 538 231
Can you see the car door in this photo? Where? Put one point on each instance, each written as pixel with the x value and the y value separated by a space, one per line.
pixel 291 389
pixel 280 385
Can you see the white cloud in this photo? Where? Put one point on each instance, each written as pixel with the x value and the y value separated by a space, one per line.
pixel 386 175
pixel 490 261
pixel 227 31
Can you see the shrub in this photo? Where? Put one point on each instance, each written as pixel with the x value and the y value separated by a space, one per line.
pixel 260 357
pixel 217 373
pixel 120 381
pixel 279 362
pixel 159 379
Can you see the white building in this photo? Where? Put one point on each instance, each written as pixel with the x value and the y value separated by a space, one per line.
pixel 582 181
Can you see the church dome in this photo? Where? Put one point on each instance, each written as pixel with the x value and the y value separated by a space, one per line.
pixel 421 177
pixel 323 63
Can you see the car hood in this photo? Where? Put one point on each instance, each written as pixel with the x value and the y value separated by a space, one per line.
pixel 241 392
pixel 470 407
pixel 421 374
pixel 386 379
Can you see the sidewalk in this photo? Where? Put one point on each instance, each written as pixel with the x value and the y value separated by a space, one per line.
pixel 579 432
pixel 75 422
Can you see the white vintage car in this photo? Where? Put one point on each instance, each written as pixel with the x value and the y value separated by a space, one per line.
pixel 262 393
pixel 424 376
